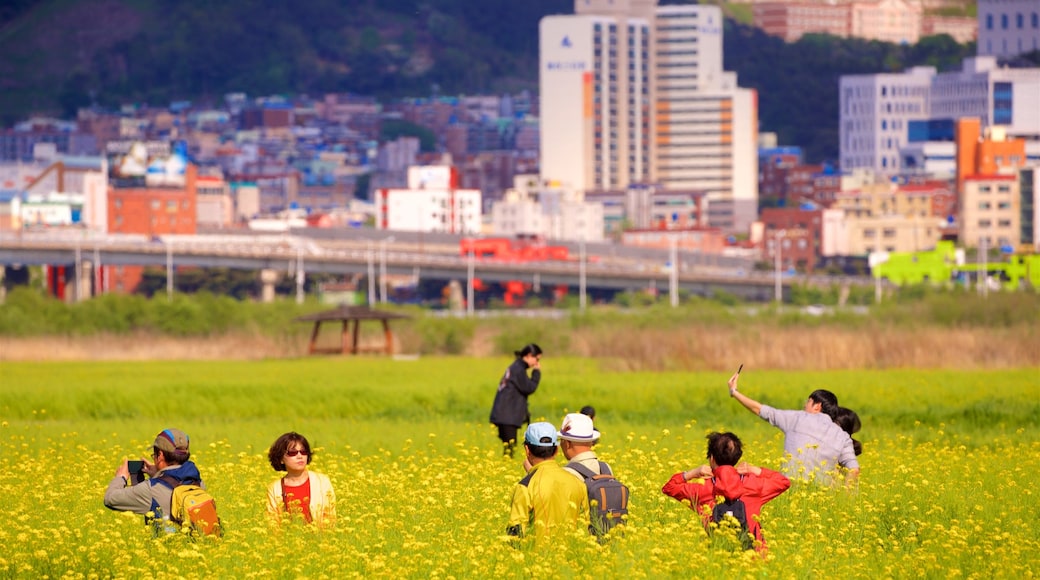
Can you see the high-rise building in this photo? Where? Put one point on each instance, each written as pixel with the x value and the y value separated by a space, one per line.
pixel 633 93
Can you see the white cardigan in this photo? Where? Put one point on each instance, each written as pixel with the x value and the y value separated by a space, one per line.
pixel 322 504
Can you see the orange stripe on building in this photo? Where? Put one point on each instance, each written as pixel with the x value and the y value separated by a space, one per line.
pixel 586 86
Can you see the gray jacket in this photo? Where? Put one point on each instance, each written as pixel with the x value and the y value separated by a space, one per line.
pixel 138 498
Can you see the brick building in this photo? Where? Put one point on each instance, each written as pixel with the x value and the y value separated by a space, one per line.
pixel 153 211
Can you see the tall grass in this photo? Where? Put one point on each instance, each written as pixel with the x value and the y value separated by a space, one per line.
pixel 934 329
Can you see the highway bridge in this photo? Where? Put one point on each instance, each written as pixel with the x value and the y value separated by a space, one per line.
pixel 396 254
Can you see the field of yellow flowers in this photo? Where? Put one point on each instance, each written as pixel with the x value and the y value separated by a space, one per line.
pixel 947 490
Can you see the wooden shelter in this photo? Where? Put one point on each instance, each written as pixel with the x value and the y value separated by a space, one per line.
pixel 350 317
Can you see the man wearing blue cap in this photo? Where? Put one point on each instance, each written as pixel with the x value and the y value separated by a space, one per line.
pixel 170 466
pixel 547 498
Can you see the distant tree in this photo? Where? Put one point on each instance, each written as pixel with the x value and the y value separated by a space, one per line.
pixel 394 128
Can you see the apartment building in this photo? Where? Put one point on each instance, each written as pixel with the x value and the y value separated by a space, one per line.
pixel 633 93
pixel 891 233
pixel 990 211
pixel 796 234
pixel 896 21
pixel 1029 209
pixel 153 209
pixel 1008 27
pixel 793 20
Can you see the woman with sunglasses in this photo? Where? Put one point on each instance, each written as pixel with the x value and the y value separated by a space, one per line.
pixel 300 492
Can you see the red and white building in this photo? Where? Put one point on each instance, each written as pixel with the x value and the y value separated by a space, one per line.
pixel 433 202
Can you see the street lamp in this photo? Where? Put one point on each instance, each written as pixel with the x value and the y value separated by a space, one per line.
pixel 581 275
pixel 371 274
pixel 382 268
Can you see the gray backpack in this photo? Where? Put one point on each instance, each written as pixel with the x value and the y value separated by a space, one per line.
pixel 608 498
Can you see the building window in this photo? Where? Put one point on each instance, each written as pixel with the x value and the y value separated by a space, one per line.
pixel 1002 103
pixel 1004 21
pixel 984 205
pixel 155 204
pixel 989 22
pixel 984 223
pixel 118 203
pixel 889 232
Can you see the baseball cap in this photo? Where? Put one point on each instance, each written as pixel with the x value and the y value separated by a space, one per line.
pixel 541 434
pixel 172 440
pixel 578 427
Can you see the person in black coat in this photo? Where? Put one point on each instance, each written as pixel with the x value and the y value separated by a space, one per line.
pixel 509 410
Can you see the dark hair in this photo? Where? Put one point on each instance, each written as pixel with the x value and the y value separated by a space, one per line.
pixel 588 411
pixel 849 422
pixel 179 457
pixel 827 400
pixel 847 419
pixel 277 451
pixel 529 349
pixel 541 452
pixel 725 448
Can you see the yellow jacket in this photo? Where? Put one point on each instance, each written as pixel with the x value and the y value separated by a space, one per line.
pixel 548 498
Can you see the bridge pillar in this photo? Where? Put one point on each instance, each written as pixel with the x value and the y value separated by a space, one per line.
pixel 84 276
pixel 456 302
pixel 268 278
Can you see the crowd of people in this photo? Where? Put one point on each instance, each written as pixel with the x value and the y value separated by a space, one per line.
pixel 818 445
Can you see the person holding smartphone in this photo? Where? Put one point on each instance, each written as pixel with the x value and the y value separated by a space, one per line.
pixel 509 410
pixel 814 443
pixel 300 492
pixel 130 491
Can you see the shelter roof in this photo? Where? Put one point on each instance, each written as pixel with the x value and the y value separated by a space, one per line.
pixel 350 313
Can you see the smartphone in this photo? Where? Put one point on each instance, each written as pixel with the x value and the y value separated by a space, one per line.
pixel 136 467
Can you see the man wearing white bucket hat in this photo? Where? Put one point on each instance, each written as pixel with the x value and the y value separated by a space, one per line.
pixel 577 436
pixel 608 497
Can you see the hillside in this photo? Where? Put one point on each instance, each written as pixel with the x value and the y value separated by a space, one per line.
pixel 58 55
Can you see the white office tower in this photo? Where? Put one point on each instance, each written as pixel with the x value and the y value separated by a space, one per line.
pixel 875 114
pixel 632 93
pixel 594 101
pixel 1008 27
pixel 1009 97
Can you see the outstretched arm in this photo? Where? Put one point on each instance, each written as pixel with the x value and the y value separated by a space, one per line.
pixel 749 403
